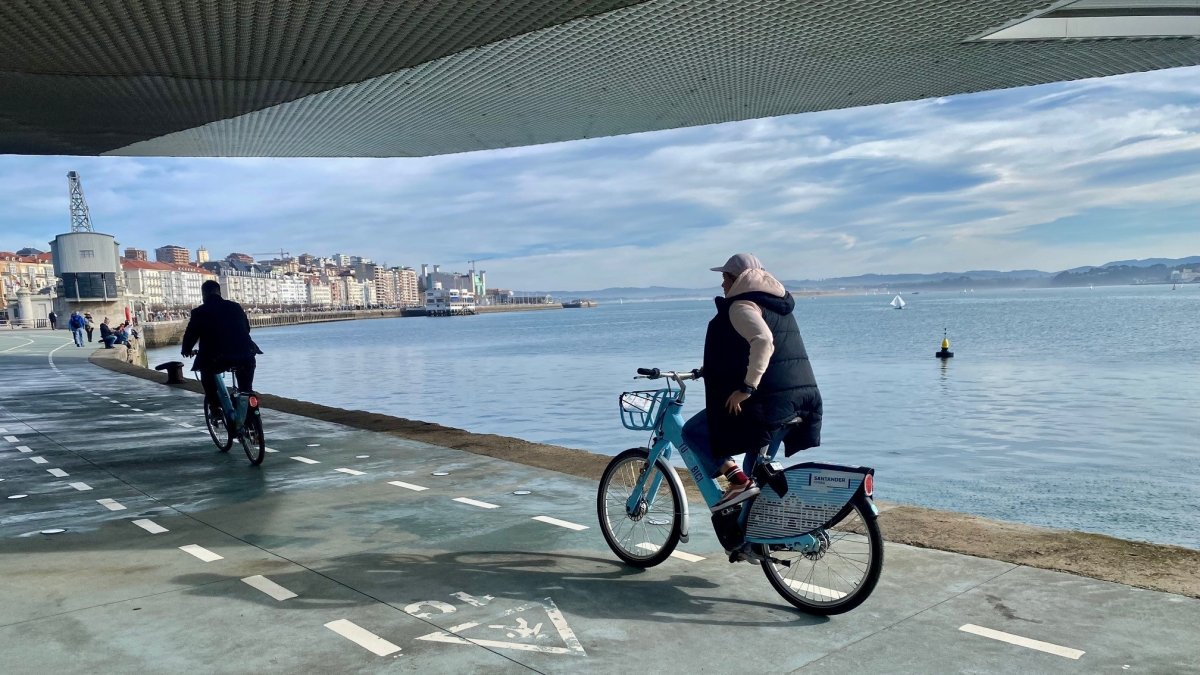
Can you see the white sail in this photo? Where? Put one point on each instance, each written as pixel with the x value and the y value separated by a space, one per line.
pixel 898 302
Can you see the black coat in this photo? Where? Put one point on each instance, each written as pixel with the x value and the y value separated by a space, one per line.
pixel 221 329
pixel 788 387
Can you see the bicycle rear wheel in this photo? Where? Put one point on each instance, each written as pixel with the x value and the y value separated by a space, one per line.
pixel 218 429
pixel 252 438
pixel 841 574
pixel 647 536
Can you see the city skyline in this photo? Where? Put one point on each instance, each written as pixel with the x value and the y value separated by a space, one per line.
pixel 1046 177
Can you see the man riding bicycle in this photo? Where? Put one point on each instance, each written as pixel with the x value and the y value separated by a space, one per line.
pixel 757 375
pixel 222 330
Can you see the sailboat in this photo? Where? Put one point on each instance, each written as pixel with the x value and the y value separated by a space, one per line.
pixel 898 302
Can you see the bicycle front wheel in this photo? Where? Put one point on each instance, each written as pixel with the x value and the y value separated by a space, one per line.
pixel 840 574
pixel 252 438
pixel 218 429
pixel 647 535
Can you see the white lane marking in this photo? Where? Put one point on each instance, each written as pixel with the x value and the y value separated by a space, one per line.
pixel 24 448
pixel 407 486
pixel 126 405
pixel 476 502
pixel 58 473
pixel 560 523
pixel 1065 652
pixel 682 555
pixel 804 587
pixel 27 343
pixel 169 419
pixel 362 637
pixel 39 460
pixel 271 450
pixel 200 552
pixel 150 526
pixel 186 425
pixel 572 645
pixel 80 486
pixel 306 460
pixel 12 439
pixel 137 410
pixel 17 496
pixel 352 472
pixel 3 430
pixel 111 504
pixel 269 587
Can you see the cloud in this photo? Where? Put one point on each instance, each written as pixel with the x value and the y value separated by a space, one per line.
pixel 1007 179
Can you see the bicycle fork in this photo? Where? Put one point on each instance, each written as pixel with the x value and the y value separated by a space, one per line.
pixel 641 498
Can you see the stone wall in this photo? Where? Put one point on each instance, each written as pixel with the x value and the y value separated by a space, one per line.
pixel 168 333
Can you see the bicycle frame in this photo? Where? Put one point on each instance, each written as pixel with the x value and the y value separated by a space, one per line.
pixel 235 415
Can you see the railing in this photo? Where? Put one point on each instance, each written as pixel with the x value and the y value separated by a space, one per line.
pixel 13 324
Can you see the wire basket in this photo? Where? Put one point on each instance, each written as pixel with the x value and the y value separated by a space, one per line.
pixel 640 410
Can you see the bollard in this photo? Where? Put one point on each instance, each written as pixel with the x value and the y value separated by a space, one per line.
pixel 174 371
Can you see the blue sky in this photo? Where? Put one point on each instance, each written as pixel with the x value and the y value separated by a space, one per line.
pixel 1047 177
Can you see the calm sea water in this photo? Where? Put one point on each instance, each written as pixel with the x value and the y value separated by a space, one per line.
pixel 1070 408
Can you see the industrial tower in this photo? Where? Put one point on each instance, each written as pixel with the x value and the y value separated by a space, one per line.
pixel 81 220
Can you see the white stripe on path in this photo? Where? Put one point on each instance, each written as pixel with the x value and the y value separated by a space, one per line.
pixel 682 555
pixel 560 523
pixel 805 587
pixel 476 502
pixel 200 552
pixel 271 450
pixel 111 504
pixel 137 410
pixel 269 587
pixel 39 460
pixel 3 430
pixel 306 460
pixel 362 637
pixel 24 448
pixel 407 486
pixel 12 439
pixel 80 486
pixel 126 405
pixel 352 472
pixel 186 425
pixel 1065 652
pixel 57 473
pixel 169 419
pixel 150 526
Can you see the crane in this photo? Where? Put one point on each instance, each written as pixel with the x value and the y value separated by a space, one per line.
pixel 81 219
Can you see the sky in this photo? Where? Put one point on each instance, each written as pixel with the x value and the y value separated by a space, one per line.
pixel 1048 177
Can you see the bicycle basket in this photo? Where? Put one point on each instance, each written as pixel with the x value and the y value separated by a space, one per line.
pixel 640 410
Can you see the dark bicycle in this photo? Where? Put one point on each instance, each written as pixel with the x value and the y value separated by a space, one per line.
pixel 239 418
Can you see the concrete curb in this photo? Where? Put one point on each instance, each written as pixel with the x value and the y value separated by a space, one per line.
pixel 1172 569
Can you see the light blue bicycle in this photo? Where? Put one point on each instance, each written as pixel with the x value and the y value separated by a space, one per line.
pixel 812 527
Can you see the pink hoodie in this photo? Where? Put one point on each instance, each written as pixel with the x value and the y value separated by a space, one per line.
pixel 747 320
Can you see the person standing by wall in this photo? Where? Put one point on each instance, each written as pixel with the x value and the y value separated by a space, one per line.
pixel 76 324
pixel 89 325
pixel 53 320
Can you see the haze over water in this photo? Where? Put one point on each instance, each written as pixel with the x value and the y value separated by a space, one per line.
pixel 1071 408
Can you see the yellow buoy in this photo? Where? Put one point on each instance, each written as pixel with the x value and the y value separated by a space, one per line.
pixel 945 343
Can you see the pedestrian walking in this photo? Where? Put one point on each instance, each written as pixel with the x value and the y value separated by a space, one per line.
pixel 90 325
pixel 53 320
pixel 76 324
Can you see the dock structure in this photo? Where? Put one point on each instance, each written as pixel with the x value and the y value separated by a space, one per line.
pixel 131 535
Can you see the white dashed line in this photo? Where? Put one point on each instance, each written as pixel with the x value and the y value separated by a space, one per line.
pixel 126 405
pixel 805 587
pixel 3 430
pixel 12 439
pixel 150 526
pixel 304 459
pixel 111 504
pixel 362 637
pixel 38 460
pixel 169 419
pixel 271 450
pixel 560 523
pixel 137 410
pixel 57 473
pixel 80 486
pixel 475 502
pixel 682 555
pixel 24 448
pixel 407 486
pixel 352 472
pixel 269 587
pixel 186 425
pixel 1065 652
pixel 200 552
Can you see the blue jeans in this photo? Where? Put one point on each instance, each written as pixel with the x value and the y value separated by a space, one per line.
pixel 695 435
pixel 77 333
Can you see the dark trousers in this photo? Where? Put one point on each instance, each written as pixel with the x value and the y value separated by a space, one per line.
pixel 243 376
pixel 89 330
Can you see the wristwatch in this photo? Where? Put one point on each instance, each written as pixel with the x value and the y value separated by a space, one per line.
pixel 747 389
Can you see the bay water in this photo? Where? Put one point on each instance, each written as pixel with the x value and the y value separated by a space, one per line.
pixel 1069 408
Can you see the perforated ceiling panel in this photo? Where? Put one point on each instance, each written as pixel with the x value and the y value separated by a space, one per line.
pixel 386 79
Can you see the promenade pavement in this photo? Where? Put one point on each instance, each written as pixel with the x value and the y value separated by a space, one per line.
pixel 353 551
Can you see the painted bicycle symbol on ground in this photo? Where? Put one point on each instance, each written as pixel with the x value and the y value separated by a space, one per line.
pixel 535 626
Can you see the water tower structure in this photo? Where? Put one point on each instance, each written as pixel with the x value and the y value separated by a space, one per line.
pixel 88 263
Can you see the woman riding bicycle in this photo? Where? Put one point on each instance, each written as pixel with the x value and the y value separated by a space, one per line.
pixel 757 377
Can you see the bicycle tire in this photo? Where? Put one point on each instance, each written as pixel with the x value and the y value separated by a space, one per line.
pixel 252 439
pixel 800 593
pixel 217 429
pixel 635 546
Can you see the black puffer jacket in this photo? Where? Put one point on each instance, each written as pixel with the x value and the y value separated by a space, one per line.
pixel 222 330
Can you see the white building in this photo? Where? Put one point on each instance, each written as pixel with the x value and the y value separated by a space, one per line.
pixel 293 292
pixel 319 294
pixel 249 285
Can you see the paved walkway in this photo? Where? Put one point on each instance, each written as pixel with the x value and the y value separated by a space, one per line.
pixel 351 551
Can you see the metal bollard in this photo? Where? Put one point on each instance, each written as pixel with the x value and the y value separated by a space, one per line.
pixel 174 371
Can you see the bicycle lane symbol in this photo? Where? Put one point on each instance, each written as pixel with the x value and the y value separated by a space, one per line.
pixel 536 626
